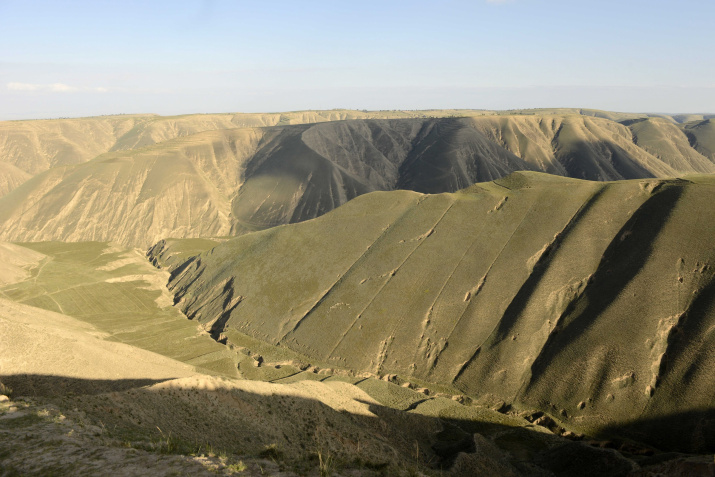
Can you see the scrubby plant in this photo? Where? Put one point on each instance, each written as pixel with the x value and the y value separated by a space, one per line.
pixel 271 452
pixel 237 467
pixel 326 463
pixel 166 444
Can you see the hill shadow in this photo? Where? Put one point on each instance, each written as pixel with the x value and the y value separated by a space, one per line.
pixel 49 386
pixel 247 418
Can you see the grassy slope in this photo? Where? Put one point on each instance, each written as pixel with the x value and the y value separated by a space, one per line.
pixel 107 394
pixel 590 301
pixel 120 294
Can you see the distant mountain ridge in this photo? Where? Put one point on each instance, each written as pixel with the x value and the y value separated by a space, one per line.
pixel 227 181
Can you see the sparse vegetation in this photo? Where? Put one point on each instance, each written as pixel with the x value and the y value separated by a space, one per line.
pixel 271 451
pixel 401 334
pixel 326 463
pixel 5 390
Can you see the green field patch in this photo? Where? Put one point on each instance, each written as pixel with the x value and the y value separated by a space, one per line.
pixel 73 281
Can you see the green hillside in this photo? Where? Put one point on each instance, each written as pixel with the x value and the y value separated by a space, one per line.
pixel 592 302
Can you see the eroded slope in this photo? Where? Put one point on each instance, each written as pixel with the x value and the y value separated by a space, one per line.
pixel 230 181
pixel 226 182
pixel 701 135
pixel 590 301
pixel 34 146
pixel 670 144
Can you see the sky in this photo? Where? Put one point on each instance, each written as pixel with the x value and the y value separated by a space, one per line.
pixel 84 58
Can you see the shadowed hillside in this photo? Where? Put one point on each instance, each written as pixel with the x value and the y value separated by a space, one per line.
pixel 229 181
pixel 37 145
pixel 701 135
pixel 590 301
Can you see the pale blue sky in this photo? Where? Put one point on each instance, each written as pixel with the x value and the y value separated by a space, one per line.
pixel 73 58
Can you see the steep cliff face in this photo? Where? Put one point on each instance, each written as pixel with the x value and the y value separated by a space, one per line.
pixel 589 301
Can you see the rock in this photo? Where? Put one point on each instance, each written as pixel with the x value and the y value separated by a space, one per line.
pixel 501 407
pixel 545 421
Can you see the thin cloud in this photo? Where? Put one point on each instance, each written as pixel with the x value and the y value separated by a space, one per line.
pixel 54 87
pixel 51 88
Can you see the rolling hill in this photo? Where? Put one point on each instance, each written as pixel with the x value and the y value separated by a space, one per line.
pixel 226 182
pixel 11 177
pixel 589 301
pixel 109 376
pixel 701 135
pixel 37 145
pixel 525 292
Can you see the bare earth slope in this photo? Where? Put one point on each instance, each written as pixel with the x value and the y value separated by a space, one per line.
pixel 590 301
pixel 670 144
pixel 594 148
pixel 229 181
pixel 30 147
pixel 702 137
pixel 173 189
pixel 37 145
pixel 11 177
